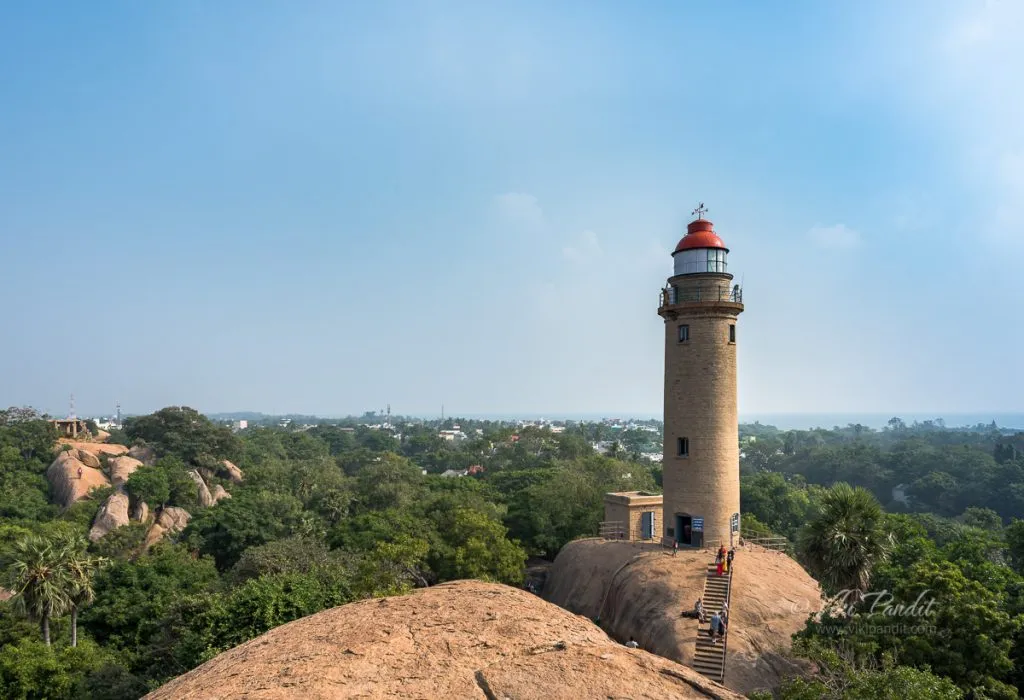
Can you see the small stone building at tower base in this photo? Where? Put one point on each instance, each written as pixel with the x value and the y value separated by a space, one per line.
pixel 632 515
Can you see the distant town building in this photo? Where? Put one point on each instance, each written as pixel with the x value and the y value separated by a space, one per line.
pixel 452 435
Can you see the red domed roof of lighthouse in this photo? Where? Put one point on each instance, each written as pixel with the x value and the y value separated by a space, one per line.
pixel 700 234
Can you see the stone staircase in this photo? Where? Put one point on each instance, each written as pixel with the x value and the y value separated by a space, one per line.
pixel 709 658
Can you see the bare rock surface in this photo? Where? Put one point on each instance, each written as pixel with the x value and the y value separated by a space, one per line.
pixel 233 472
pixel 202 490
pixel 641 591
pixel 71 479
pixel 121 468
pixel 112 515
pixel 93 448
pixel 464 639
pixel 169 521
pixel 89 459
pixel 219 493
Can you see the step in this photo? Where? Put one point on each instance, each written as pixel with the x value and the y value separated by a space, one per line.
pixel 710 654
pixel 714 672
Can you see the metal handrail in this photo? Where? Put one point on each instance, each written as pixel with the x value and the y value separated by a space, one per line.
pixel 669 296
pixel 728 627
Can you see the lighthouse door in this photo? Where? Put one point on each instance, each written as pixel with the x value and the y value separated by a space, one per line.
pixel 684 529
pixel 647 525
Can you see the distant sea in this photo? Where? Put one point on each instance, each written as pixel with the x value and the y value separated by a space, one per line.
pixel 798 421
pixel 807 421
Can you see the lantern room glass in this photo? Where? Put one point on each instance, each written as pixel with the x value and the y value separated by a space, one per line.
pixel 688 262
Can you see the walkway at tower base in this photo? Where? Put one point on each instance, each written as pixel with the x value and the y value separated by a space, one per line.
pixel 640 590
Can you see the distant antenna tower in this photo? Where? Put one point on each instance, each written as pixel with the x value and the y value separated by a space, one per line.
pixel 71 414
pixel 442 411
pixel 118 409
pixel 389 414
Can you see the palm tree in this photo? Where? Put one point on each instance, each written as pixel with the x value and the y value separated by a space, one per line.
pixel 79 568
pixel 844 540
pixel 39 580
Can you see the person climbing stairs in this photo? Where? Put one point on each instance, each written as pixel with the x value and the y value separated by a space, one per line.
pixel 709 657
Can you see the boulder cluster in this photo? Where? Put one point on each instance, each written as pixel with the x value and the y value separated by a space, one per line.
pixel 81 467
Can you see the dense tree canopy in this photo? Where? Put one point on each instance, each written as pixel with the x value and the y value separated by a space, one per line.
pixel 340 511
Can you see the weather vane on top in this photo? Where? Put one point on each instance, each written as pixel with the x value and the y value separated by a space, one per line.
pixel 700 211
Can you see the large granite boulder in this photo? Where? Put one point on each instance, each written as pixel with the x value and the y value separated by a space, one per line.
pixel 71 479
pixel 121 468
pixel 170 521
pixel 112 515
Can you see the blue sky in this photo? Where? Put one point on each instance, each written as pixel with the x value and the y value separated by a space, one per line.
pixel 325 207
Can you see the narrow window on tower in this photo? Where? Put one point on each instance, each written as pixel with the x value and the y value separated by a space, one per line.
pixel 682 447
pixel 684 333
pixel 732 332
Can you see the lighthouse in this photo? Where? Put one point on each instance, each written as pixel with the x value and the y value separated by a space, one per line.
pixel 701 471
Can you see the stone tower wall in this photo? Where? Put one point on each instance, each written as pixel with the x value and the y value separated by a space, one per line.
pixel 700 405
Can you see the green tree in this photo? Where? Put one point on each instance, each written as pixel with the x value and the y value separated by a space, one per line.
pixel 134 598
pixel 80 568
pixel 472 545
pixel 844 539
pixel 291 555
pixel 185 433
pixel 30 670
pixel 249 519
pixel 150 485
pixel 39 580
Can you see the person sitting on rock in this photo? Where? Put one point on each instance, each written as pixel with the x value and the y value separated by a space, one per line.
pixel 632 644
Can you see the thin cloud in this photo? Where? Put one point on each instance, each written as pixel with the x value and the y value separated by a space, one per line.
pixel 586 248
pixel 520 206
pixel 838 237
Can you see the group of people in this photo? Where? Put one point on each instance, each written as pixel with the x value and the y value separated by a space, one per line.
pixel 719 621
pixel 723 560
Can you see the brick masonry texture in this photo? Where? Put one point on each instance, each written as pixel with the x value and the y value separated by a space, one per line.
pixel 700 405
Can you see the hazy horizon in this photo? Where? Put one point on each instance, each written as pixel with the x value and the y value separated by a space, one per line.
pixel 318 206
pixel 783 421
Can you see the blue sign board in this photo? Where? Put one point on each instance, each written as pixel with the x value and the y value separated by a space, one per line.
pixel 697 525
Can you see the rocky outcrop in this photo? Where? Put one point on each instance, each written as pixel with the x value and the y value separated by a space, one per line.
pixel 464 639
pixel 112 515
pixel 202 490
pixel 87 458
pixel 170 521
pixel 143 453
pixel 121 468
pixel 219 493
pixel 233 473
pixel 71 479
pixel 641 590
pixel 94 448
